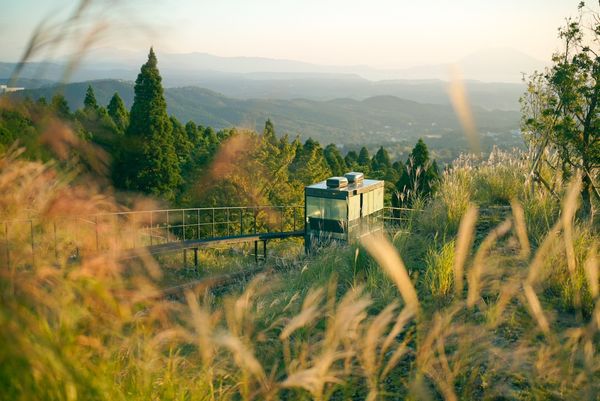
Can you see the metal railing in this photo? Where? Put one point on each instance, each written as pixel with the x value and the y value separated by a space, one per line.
pixel 394 217
pixel 24 240
pixel 71 236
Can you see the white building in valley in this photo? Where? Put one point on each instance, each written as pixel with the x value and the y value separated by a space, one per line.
pixel 7 89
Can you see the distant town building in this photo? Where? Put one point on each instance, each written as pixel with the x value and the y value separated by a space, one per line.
pixel 7 89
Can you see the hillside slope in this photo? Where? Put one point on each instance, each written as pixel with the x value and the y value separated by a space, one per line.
pixel 374 120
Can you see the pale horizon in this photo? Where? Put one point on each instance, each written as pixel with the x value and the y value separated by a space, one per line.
pixel 383 34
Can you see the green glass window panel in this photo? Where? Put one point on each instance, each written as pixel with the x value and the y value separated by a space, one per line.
pixel 314 207
pixel 324 208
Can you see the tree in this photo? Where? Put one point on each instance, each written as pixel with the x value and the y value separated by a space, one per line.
pixel 183 146
pixel 149 161
pixel 309 165
pixel 118 113
pixel 561 114
pixel 418 179
pixel 269 132
pixel 90 103
pixel 334 159
pixel 193 133
pixel 363 157
pixel 60 106
pixel 381 164
pixel 351 160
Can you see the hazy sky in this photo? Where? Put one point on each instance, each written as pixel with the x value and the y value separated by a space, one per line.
pixel 380 33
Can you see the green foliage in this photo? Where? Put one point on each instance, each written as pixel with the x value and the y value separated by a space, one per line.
pixel 148 161
pixel 16 126
pixel 60 106
pixel 364 160
pixel 439 273
pixel 90 103
pixel 309 165
pixel 351 160
pixel 560 110
pixel 269 132
pixel 334 159
pixel 118 113
pixel 419 177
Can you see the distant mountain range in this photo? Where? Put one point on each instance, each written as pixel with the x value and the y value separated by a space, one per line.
pixel 373 120
pixel 262 78
pixel 488 65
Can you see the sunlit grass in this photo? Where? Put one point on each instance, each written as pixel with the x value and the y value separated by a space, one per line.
pixel 510 318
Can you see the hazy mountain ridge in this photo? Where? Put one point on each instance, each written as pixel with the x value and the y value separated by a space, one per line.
pixel 262 78
pixel 373 120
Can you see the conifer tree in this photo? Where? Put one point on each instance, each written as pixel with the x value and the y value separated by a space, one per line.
pixel 419 177
pixel 269 132
pixel 334 160
pixel 118 113
pixel 60 106
pixel 192 132
pixel 90 103
pixel 183 146
pixel 364 161
pixel 149 162
pixel 381 161
pixel 309 164
pixel 351 160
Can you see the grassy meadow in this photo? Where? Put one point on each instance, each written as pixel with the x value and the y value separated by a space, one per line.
pixel 489 292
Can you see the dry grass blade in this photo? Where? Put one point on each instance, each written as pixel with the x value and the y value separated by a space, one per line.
pixel 401 321
pixel 480 257
pixel 310 310
pixel 315 378
pixel 536 308
pixel 591 271
pixel 543 252
pixel 568 214
pixel 400 351
pixel 387 257
pixel 458 97
pixel 203 325
pixel 463 244
pixel 243 357
pixel 374 333
pixel 521 228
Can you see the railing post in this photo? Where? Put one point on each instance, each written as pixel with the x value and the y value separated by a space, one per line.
pixel 198 223
pixel 213 222
pixel 151 231
pixel 183 219
pixel 255 213
pixel 241 222
pixel 227 224
pixel 256 251
pixel 265 250
pixel 168 227
pixel 294 218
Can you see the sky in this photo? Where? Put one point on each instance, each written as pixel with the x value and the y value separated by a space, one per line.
pixel 378 33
